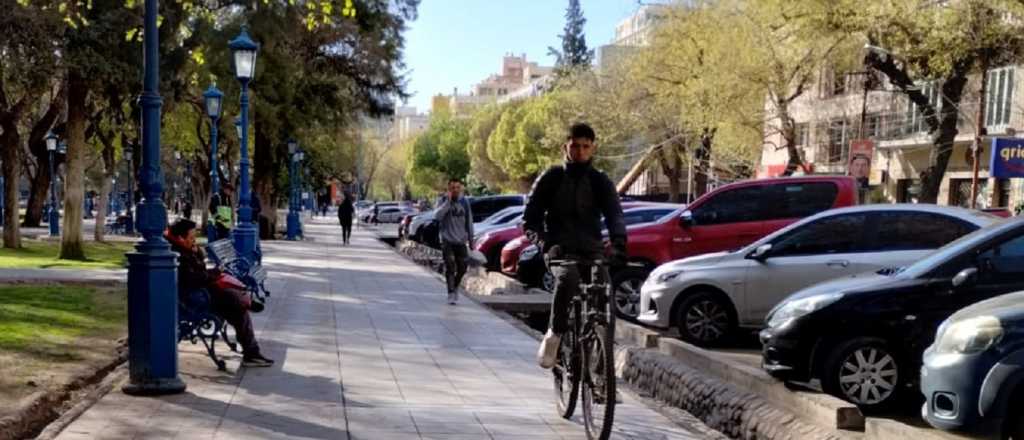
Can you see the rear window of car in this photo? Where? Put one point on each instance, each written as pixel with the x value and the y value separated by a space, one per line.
pixel 801 199
pixel 908 230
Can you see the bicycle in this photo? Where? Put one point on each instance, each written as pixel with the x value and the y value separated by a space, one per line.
pixel 585 365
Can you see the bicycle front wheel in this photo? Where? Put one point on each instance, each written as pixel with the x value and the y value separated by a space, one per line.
pixel 598 384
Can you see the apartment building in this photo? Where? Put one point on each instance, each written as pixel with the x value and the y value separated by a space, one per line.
pixel 829 122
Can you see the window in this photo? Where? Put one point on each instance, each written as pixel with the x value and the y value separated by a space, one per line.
pixel 1003 193
pixel 645 216
pixel 999 97
pixel 833 235
pixel 915 118
pixel 872 125
pixel 960 193
pixel 733 206
pixel 838 141
pixel 798 200
pixel 1004 262
pixel 833 82
pixel 916 230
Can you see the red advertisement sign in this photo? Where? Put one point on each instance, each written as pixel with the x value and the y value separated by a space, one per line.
pixel 861 151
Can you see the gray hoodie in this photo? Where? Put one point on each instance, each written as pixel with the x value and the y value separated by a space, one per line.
pixel 455 221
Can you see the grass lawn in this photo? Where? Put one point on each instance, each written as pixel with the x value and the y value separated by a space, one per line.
pixel 43 255
pixel 48 332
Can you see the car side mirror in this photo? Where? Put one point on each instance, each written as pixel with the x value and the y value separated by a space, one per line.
pixel 965 277
pixel 761 253
pixel 686 219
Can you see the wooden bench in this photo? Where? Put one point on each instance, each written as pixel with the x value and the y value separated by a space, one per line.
pixel 197 323
pixel 223 254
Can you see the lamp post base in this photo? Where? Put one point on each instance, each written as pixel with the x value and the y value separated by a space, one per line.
pixel 244 235
pixel 54 221
pixel 152 321
pixel 293 225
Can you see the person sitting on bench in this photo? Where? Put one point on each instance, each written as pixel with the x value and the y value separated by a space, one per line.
pixel 232 305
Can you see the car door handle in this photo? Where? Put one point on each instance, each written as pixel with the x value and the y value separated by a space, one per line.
pixel 839 263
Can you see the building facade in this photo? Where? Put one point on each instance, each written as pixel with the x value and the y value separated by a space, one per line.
pixel 829 122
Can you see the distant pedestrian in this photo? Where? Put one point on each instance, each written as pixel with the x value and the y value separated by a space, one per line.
pixel 455 228
pixel 345 212
pixel 187 209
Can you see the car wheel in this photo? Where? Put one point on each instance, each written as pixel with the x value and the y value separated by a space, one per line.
pixel 626 285
pixel 705 319
pixel 547 281
pixel 864 371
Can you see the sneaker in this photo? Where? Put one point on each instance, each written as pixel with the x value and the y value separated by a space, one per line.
pixel 548 351
pixel 451 298
pixel 256 361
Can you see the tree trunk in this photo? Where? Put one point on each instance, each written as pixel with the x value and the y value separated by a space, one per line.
pixel 703 158
pixel 672 167
pixel 38 193
pixel 101 210
pixel 74 191
pixel 938 160
pixel 10 141
pixel 264 173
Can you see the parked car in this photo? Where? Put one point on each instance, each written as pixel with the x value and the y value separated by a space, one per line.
pixel 973 374
pixel 394 214
pixel 367 215
pixel 416 225
pixel 500 219
pixel 493 244
pixel 863 336
pixel 707 298
pixel 482 208
pixel 527 265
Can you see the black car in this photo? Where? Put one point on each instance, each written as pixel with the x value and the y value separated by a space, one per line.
pixel 973 375
pixel 863 336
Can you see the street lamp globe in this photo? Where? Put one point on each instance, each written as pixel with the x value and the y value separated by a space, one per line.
pixel 51 142
pixel 128 155
pixel 293 145
pixel 212 98
pixel 243 50
pixel 62 147
pixel 177 155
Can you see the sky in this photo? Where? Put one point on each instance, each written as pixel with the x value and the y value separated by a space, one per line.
pixel 458 43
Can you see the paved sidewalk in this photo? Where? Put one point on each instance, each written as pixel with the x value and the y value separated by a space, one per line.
pixel 366 348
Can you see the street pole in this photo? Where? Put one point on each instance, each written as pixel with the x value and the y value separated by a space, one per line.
pixel 130 226
pixel 54 215
pixel 152 268
pixel 213 100
pixel 293 215
pixel 979 131
pixel 244 50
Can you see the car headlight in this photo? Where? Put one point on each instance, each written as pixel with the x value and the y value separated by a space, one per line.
pixel 972 335
pixel 665 277
pixel 790 311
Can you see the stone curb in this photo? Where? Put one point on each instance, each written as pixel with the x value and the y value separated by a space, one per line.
pixel 57 426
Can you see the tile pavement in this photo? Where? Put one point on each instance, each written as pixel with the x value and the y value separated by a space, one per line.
pixel 366 349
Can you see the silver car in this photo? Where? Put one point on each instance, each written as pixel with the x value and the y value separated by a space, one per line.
pixel 709 296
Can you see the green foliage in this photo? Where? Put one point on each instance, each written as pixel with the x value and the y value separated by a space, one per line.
pixel 574 51
pixel 440 153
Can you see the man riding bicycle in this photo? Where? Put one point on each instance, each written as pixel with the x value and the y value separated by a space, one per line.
pixel 563 218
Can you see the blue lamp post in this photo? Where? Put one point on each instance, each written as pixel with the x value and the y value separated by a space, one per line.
pixel 53 217
pixel 293 214
pixel 130 224
pixel 244 51
pixel 152 268
pixel 213 98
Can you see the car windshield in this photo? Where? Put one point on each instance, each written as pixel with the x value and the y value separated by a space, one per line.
pixel 951 250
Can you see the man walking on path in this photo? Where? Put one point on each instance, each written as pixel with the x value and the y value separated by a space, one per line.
pixel 345 213
pixel 455 226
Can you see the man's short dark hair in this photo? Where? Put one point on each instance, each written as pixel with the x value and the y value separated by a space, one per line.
pixel 581 130
pixel 181 227
pixel 455 180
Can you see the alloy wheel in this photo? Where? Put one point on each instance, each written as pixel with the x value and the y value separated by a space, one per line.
pixel 868 376
pixel 627 297
pixel 706 320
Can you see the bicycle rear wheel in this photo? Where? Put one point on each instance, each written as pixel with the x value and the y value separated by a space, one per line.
pixel 598 384
pixel 567 372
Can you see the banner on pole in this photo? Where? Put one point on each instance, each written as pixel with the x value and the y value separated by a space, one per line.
pixel 1007 158
pixel 859 166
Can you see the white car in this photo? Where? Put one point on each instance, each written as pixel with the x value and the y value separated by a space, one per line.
pixel 394 214
pixel 500 219
pixel 707 297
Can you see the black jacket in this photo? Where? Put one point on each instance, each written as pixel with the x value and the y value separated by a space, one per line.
pixel 345 211
pixel 565 208
pixel 192 273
